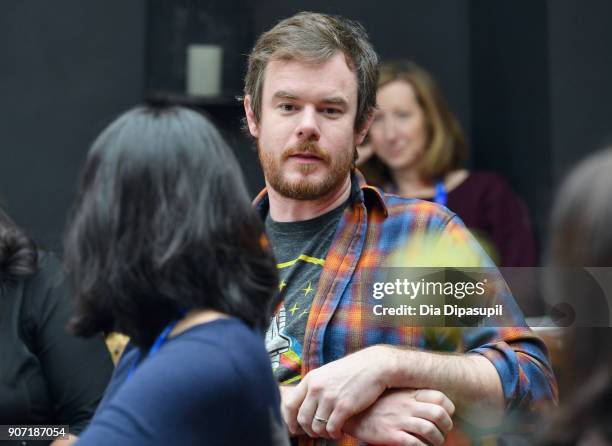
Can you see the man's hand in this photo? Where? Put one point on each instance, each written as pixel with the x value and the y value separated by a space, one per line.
pixel 328 396
pixel 286 392
pixel 404 418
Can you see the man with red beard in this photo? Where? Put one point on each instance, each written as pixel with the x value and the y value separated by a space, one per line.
pixel 309 98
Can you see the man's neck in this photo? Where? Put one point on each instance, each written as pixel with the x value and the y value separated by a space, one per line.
pixel 283 209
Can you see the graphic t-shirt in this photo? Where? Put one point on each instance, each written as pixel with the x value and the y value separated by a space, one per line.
pixel 300 249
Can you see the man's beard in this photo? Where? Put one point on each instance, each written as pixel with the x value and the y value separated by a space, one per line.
pixel 305 188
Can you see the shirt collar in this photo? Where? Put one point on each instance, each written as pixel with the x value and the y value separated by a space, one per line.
pixel 361 192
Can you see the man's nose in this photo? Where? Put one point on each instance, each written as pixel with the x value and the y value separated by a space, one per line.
pixel 308 127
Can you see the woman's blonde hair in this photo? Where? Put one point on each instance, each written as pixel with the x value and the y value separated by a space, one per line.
pixel 446 148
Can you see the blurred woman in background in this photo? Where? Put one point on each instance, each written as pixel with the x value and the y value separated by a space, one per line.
pixel 47 376
pixel 164 247
pixel 419 151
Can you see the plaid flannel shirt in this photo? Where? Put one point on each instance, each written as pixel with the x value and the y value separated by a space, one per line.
pixel 373 227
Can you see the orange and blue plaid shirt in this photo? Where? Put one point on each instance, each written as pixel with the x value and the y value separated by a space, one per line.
pixel 373 227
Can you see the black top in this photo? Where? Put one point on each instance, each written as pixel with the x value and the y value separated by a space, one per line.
pixel 47 376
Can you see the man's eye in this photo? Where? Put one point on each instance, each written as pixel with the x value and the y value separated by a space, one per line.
pixel 286 107
pixel 331 111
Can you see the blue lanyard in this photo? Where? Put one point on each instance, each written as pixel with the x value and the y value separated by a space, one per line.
pixel 440 196
pixel 159 341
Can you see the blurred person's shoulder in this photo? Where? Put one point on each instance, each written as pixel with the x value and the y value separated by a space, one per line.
pixel 229 338
pixel 50 268
pixel 44 285
pixel 212 360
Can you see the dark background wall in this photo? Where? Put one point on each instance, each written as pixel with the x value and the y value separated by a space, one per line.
pixel 511 131
pixel 66 69
pixel 580 53
pixel 529 80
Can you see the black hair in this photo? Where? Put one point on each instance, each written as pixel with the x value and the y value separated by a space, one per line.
pixel 163 223
pixel 18 253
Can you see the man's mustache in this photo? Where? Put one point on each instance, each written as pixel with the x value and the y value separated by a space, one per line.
pixel 308 148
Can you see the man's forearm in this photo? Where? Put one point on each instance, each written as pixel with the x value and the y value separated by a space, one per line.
pixel 469 380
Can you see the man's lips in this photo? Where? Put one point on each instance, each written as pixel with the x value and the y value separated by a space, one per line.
pixel 305 157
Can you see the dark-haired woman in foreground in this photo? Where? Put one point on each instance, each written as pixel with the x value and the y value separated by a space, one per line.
pixel 47 375
pixel 165 248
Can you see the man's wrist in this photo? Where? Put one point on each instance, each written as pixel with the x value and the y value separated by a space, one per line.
pixel 390 368
pixel 404 367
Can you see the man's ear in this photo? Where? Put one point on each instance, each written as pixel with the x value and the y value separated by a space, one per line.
pixel 361 134
pixel 250 116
